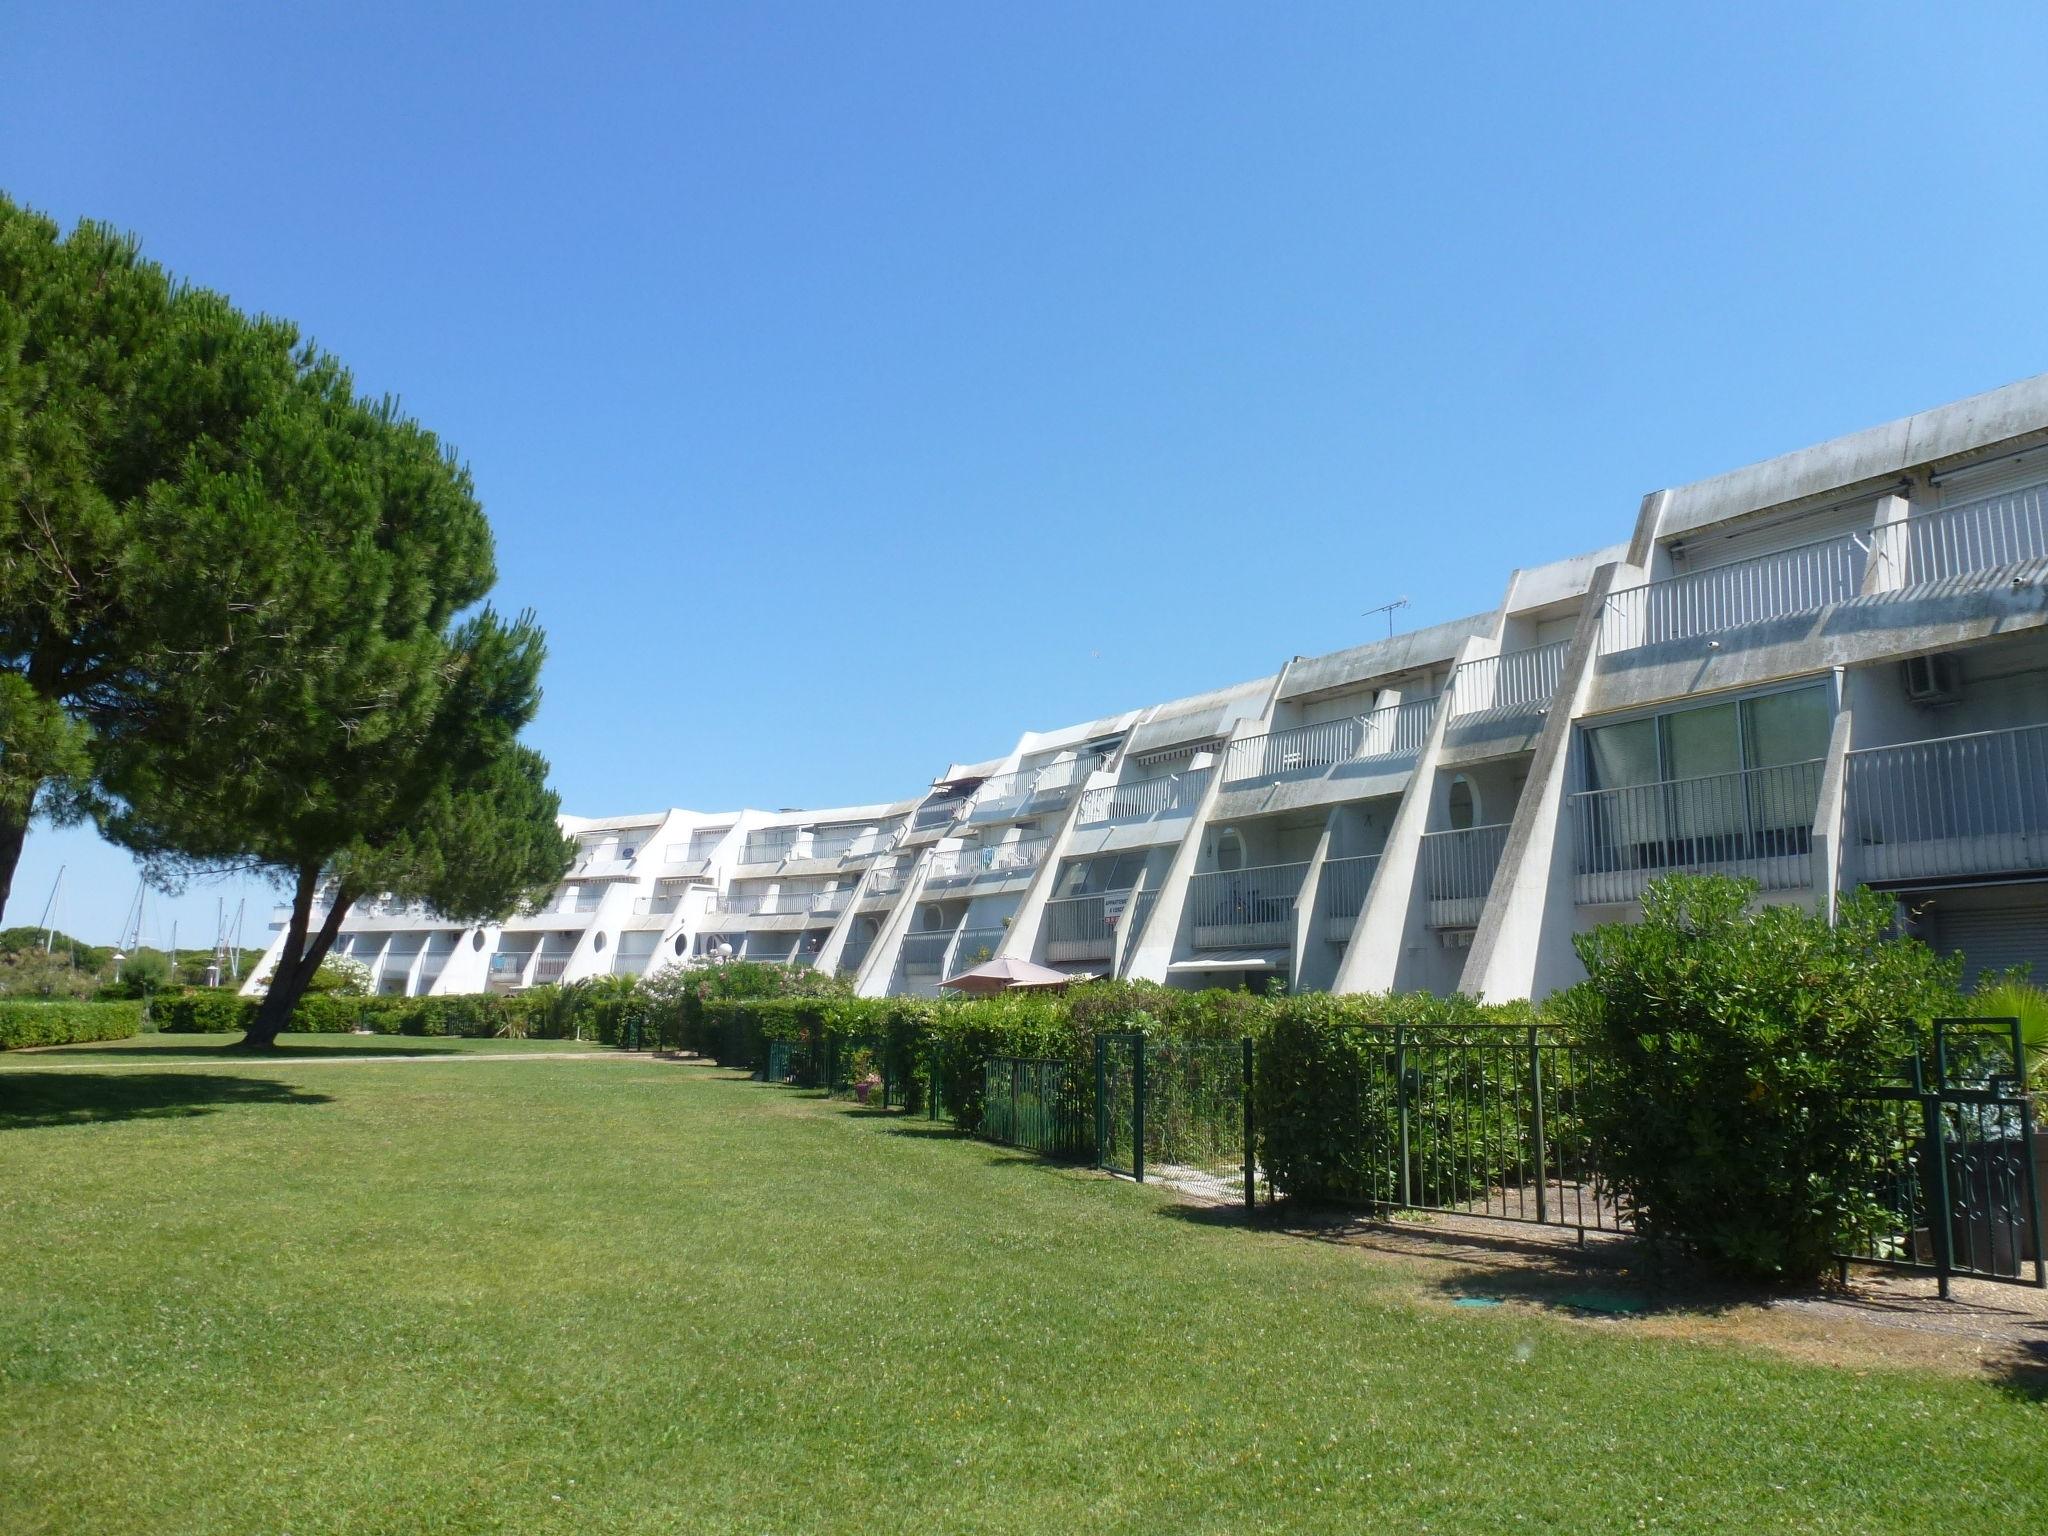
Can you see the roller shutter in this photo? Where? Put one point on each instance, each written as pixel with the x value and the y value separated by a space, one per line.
pixel 1997 937
pixel 1724 546
pixel 1999 477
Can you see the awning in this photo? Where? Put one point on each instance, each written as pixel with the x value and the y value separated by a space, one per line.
pixel 1250 960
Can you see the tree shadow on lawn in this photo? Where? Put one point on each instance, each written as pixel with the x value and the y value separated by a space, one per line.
pixel 2024 1372
pixel 385 1045
pixel 34 1101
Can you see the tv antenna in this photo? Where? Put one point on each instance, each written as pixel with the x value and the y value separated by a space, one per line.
pixel 1388 610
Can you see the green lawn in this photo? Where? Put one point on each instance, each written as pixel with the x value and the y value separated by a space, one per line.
pixel 598 1296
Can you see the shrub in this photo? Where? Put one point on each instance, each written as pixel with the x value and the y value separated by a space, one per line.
pixel 2013 996
pixel 65 1023
pixel 1729 1044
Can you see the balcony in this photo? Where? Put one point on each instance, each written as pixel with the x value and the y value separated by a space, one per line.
pixel 1245 908
pixel 1781 585
pixel 1079 927
pixel 1390 734
pixel 954 865
pixel 1057 784
pixel 1342 894
pixel 839 843
pixel 1516 683
pixel 1457 872
pixel 768 848
pixel 1955 808
pixel 549 968
pixel 1173 794
pixel 971 947
pixel 923 956
pixel 938 813
pixel 1756 823
pixel 1002 796
pixel 854 952
pixel 767 903
pixel 1982 536
pixel 654 906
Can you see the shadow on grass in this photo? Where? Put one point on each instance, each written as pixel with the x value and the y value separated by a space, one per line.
pixel 32 1101
pixel 389 1045
pixel 2024 1372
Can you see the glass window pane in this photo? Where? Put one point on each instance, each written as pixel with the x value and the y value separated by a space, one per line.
pixel 1787 727
pixel 1699 742
pixel 1619 755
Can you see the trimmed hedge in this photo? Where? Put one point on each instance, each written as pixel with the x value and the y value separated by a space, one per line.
pixel 601 1012
pixel 23 1023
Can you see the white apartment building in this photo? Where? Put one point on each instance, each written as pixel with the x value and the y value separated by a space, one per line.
pixel 1822 671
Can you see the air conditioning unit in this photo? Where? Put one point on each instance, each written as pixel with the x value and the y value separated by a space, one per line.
pixel 1932 679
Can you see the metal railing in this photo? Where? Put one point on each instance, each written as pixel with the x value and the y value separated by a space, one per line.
pixel 937 814
pixel 767 849
pixel 1396 731
pixel 583 901
pixel 1078 927
pixel 1523 680
pixel 1956 805
pixel 702 846
pixel 1757 822
pixel 1058 783
pixel 1245 908
pixel 1001 796
pixel 854 951
pixel 829 903
pixel 924 954
pixel 549 968
pixel 770 903
pixel 1780 585
pixel 972 946
pixel 1172 794
pixel 654 906
pixel 883 882
pixel 1342 892
pixel 1040 1105
pixel 1977 536
pixel 1457 872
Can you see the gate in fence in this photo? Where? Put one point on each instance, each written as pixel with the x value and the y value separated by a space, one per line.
pixel 1039 1104
pixel 1464 1120
pixel 1181 1108
pixel 1954 1163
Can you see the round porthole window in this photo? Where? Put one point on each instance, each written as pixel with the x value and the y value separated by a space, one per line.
pixel 476 940
pixel 597 944
pixel 682 943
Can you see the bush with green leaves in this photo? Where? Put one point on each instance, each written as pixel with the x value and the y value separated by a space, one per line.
pixel 1731 1041
pixel 65 1023
pixel 2011 995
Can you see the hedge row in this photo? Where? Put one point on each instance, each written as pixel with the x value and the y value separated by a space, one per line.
pixel 599 1012
pixel 24 1023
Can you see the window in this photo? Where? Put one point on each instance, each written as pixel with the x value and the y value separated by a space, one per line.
pixel 1460 806
pixel 1770 730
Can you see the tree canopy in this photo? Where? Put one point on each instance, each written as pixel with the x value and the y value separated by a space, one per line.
pixel 239 620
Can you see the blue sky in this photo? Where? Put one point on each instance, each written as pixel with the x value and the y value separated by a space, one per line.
pixel 854 387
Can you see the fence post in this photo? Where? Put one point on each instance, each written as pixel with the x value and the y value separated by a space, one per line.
pixel 2033 1187
pixel 1251 1194
pixel 1138 1107
pixel 1935 1141
pixel 1101 1100
pixel 1401 1103
pixel 1536 1126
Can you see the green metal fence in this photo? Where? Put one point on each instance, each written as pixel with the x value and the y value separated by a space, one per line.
pixel 1041 1105
pixel 866 1068
pixel 1181 1109
pixel 1951 1183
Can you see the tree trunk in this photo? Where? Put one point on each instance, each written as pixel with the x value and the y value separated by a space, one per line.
pixel 297 960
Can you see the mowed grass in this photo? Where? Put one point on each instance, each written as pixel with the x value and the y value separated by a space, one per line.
pixel 158 1050
pixel 618 1295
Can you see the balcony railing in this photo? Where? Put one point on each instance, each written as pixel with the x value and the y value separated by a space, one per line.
pixel 1457 872
pixel 767 850
pixel 1245 908
pixel 1394 732
pixel 838 845
pixel 1978 536
pixel 654 906
pixel 854 951
pixel 1342 892
pixel 549 968
pixel 971 947
pixel 772 903
pixel 582 901
pixel 1519 680
pixel 1952 807
pixel 1058 783
pixel 1078 927
pixel 883 882
pixel 1172 794
pixel 956 864
pixel 1002 796
pixel 1781 585
pixel 938 813
pixel 1757 823
pixel 924 954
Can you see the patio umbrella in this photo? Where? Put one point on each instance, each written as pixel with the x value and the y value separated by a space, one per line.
pixel 1008 974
